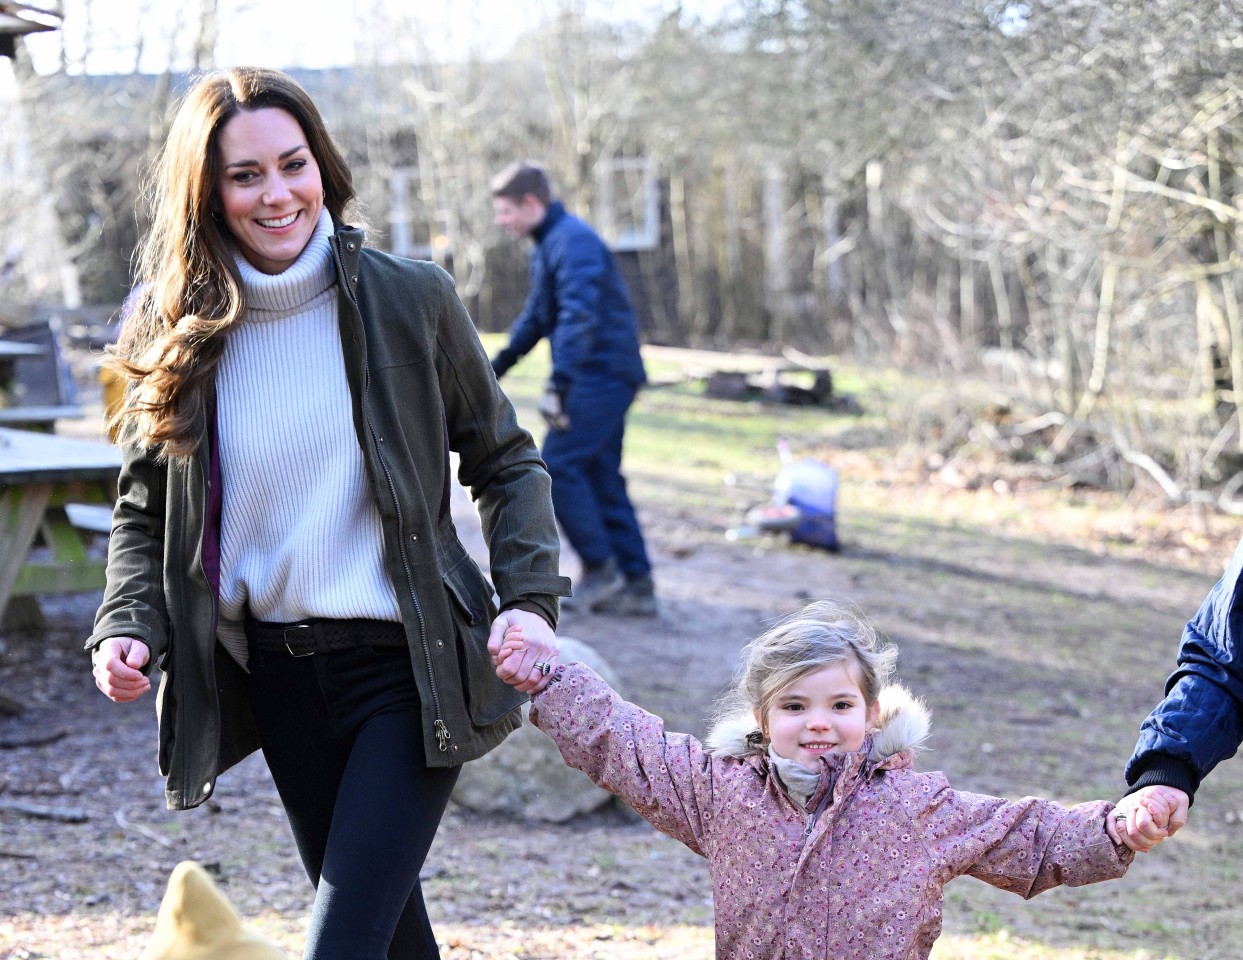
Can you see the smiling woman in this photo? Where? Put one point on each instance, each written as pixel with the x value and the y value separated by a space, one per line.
pixel 270 188
pixel 280 546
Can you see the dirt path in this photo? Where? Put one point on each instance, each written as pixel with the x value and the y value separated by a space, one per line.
pixel 1038 658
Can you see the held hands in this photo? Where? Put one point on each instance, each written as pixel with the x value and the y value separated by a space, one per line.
pixel 116 665
pixel 523 649
pixel 1146 817
pixel 552 408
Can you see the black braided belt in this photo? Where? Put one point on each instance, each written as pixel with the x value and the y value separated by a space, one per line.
pixel 323 636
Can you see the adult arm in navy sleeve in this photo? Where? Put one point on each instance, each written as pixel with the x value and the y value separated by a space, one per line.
pixel 531 325
pixel 1200 721
pixel 579 263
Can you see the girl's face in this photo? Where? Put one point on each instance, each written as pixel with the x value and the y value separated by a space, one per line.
pixel 270 189
pixel 822 712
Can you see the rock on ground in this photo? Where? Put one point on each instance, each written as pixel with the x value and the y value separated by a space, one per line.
pixel 525 776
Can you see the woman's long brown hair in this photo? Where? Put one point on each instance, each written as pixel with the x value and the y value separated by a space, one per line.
pixel 189 292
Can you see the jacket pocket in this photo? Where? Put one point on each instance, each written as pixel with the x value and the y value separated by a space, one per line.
pixel 166 714
pixel 488 698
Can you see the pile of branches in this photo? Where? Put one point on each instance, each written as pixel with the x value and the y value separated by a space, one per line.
pixel 964 432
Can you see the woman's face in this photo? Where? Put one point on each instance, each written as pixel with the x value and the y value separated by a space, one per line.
pixel 270 189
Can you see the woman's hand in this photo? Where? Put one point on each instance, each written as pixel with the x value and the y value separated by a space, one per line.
pixel 116 665
pixel 524 649
pixel 1146 817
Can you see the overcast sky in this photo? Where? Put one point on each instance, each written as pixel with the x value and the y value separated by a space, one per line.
pixel 310 33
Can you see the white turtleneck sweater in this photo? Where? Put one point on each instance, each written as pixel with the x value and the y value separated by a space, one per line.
pixel 300 535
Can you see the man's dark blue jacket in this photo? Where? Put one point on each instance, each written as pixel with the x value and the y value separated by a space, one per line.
pixel 577 301
pixel 1200 721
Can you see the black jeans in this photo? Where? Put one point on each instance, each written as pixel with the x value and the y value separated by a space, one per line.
pixel 342 735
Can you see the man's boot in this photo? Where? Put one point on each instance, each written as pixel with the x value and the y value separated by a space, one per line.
pixel 595 586
pixel 636 599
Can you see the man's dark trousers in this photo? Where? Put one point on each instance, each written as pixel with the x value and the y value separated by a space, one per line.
pixel 588 491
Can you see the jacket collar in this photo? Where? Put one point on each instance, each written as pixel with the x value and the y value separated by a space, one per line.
pixel 556 212
pixel 347 245
pixel 903 726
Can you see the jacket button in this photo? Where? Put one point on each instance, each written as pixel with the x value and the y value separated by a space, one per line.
pixel 414 538
pixel 353 279
pixel 351 245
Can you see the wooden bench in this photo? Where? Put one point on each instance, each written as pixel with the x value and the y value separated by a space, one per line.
pixel 36 388
pixel 40 417
pixel 91 517
pixel 42 479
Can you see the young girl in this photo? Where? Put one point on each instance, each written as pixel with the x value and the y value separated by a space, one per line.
pixel 821 838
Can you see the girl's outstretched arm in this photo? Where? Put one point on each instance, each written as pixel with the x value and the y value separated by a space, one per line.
pixel 1025 846
pixel 668 778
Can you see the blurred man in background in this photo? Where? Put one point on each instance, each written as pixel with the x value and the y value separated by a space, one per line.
pixel 579 302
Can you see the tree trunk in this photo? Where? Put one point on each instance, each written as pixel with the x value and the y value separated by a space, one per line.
pixel 1230 299
pixel 776 257
pixel 682 253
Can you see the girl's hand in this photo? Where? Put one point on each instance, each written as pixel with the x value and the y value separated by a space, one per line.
pixel 1146 817
pixel 116 664
pixel 524 649
pixel 1159 808
pixel 1166 805
pixel 513 641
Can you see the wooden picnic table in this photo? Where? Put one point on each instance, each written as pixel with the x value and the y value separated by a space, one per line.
pixel 10 348
pixel 41 418
pixel 35 416
pixel 10 352
pixel 40 475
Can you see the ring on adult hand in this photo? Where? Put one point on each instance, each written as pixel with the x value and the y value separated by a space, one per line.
pixel 543 667
pixel 1120 816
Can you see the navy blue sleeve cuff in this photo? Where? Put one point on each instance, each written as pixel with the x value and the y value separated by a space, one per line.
pixel 1165 771
pixel 502 362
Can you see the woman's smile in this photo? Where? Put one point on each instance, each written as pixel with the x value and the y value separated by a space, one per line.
pixel 282 222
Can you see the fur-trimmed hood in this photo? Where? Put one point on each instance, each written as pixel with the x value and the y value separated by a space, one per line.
pixel 904 724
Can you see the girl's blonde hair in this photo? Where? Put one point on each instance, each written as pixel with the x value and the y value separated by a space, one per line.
pixel 189 290
pixel 820 635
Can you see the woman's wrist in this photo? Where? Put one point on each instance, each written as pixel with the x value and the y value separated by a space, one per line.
pixel 554 677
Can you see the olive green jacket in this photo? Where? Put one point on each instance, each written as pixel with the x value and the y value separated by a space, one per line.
pixel 421 385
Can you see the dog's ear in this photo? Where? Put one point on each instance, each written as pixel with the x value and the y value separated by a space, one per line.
pixel 196 922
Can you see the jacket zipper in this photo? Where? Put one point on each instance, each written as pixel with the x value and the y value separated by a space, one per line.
pixel 215 596
pixel 192 789
pixel 442 731
pixel 812 818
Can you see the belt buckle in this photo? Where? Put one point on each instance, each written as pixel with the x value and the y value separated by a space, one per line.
pixel 298 626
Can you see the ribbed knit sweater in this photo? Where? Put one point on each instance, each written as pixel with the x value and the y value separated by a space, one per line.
pixel 300 535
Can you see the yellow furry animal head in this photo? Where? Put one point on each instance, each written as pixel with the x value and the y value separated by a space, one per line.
pixel 196 922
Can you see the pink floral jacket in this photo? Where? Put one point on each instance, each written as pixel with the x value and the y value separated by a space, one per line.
pixel 857 873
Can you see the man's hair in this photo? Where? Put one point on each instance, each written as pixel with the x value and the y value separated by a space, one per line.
pixel 520 179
